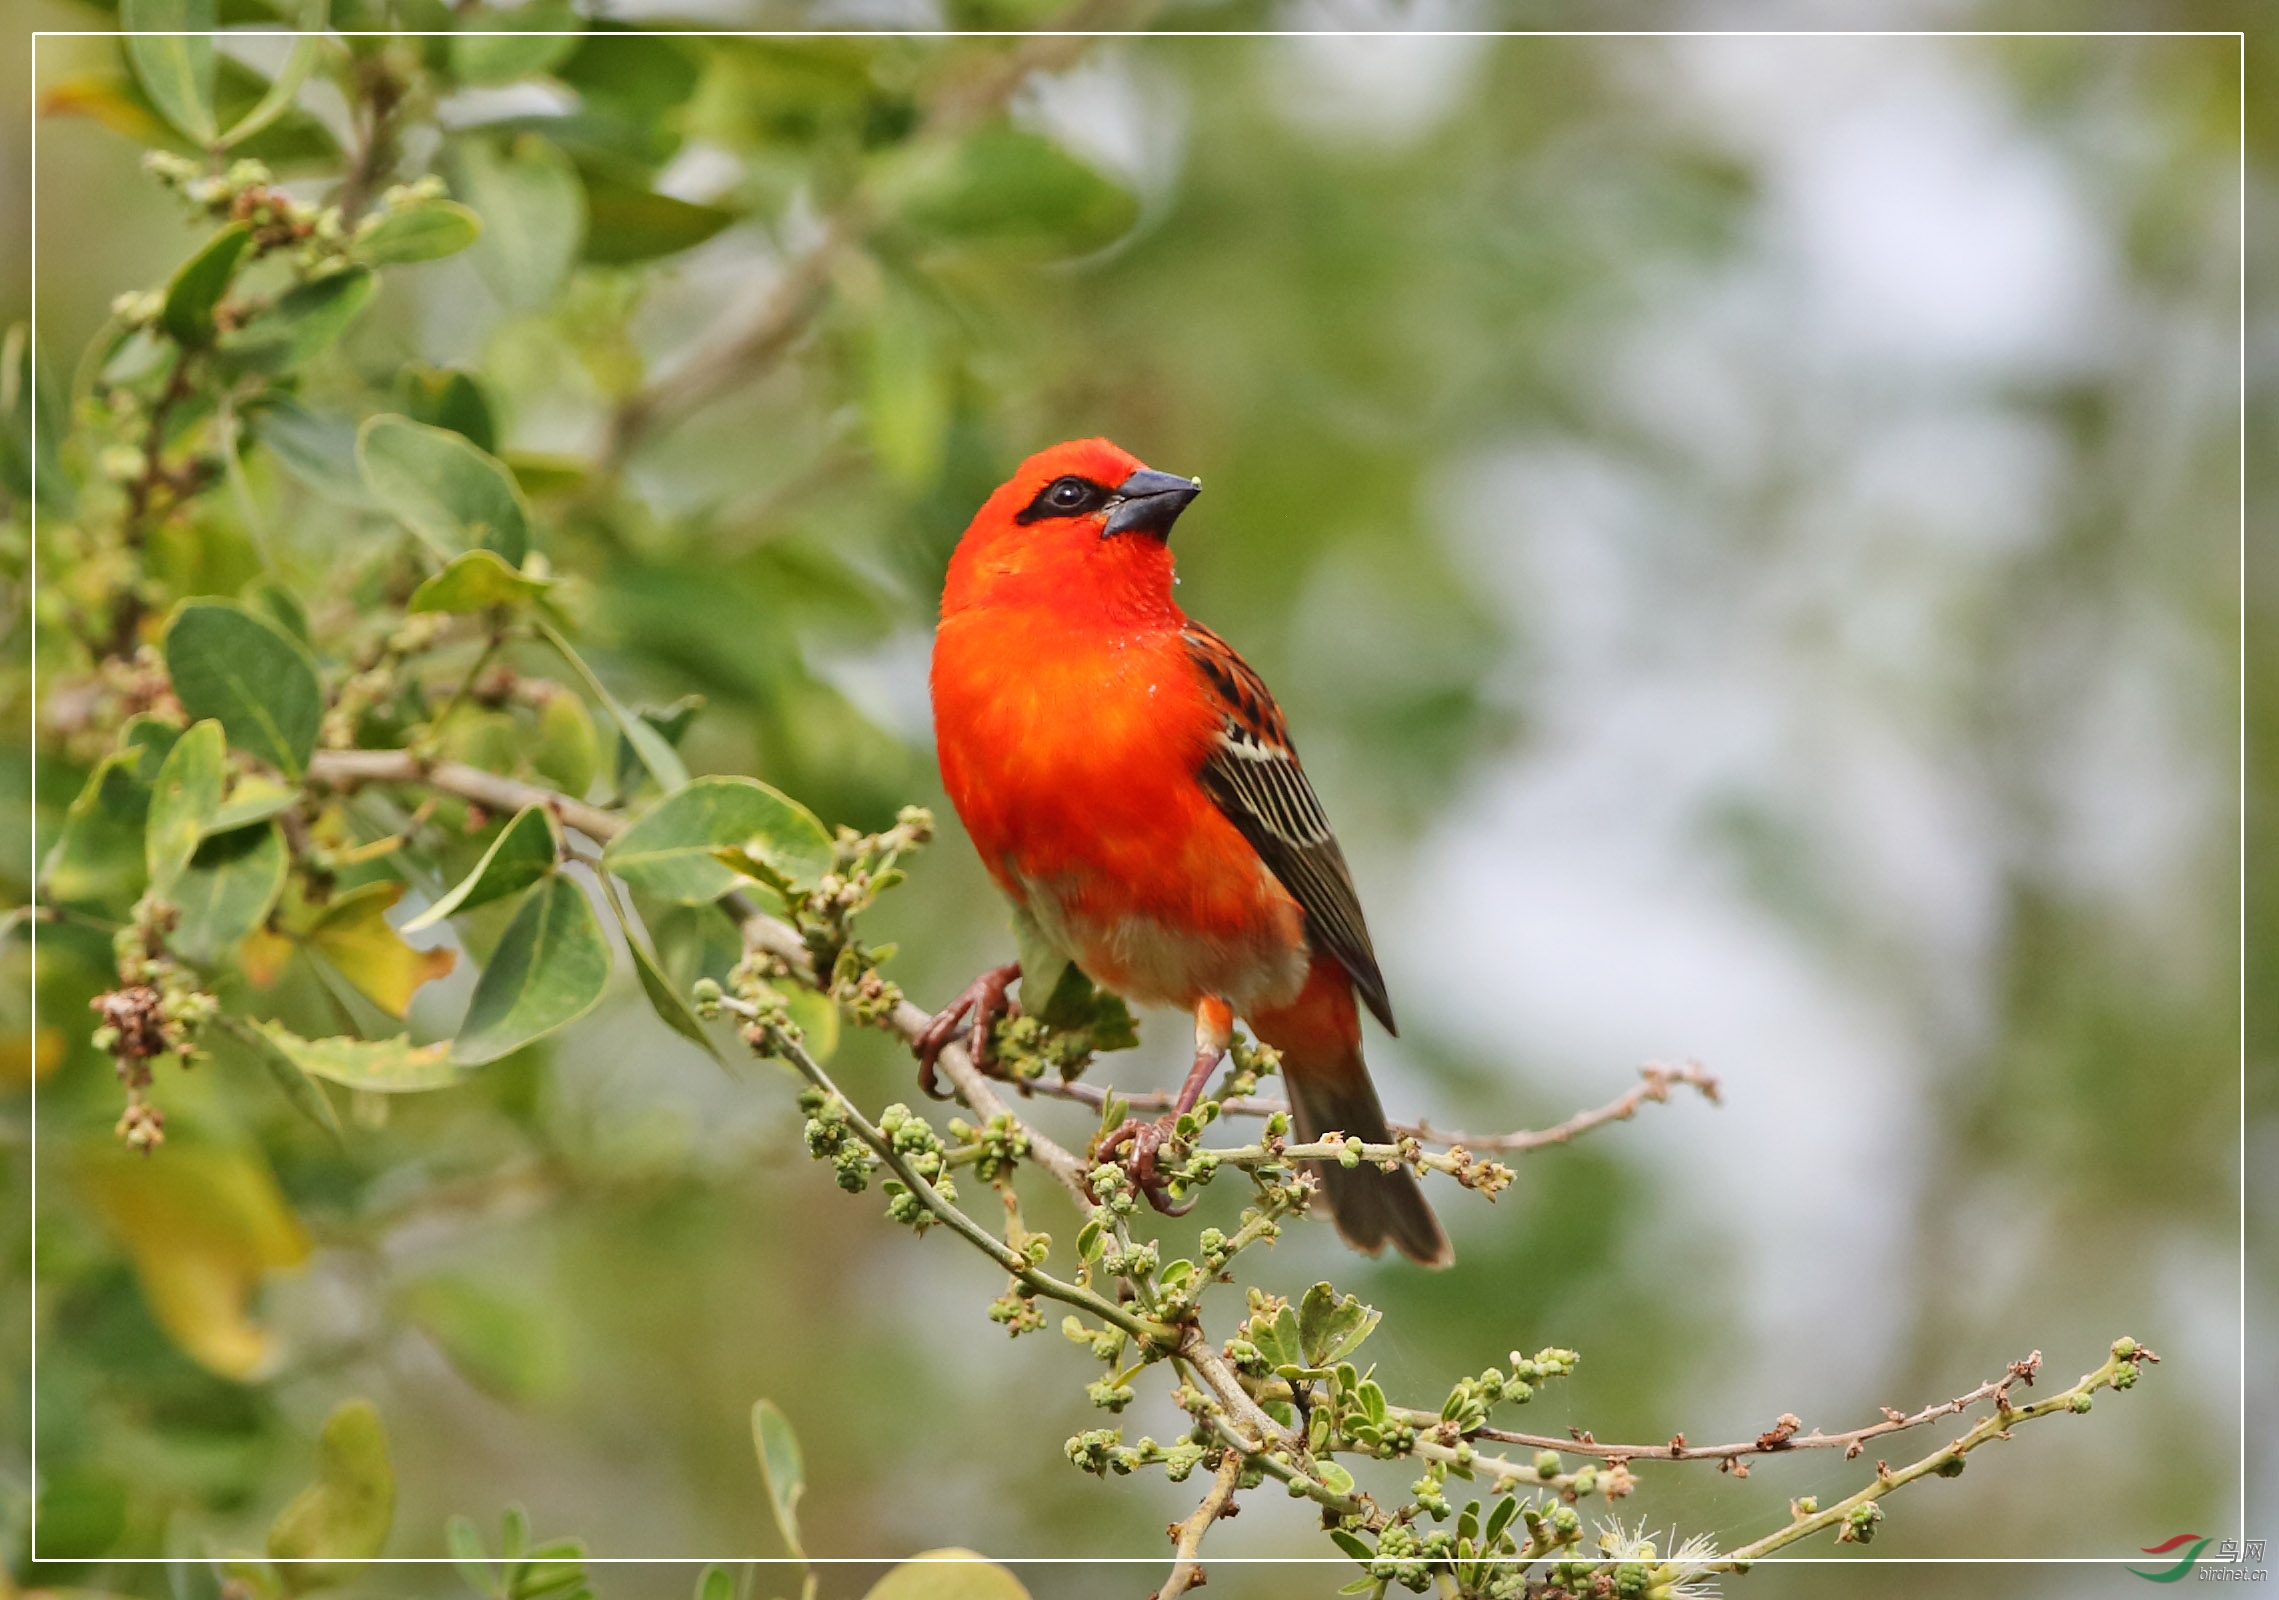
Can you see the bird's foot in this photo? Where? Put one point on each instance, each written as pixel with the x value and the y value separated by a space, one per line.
pixel 1132 1145
pixel 985 999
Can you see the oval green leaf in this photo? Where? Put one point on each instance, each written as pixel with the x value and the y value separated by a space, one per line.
pixel 534 216
pixel 444 489
pixel 500 46
pixel 247 673
pixel 198 286
pixel 183 802
pixel 549 969
pixel 525 851
pixel 781 1468
pixel 226 891
pixel 171 45
pixel 670 852
pixel 476 581
pixel 665 996
pixel 278 98
pixel 332 1529
pixel 305 320
pixel 425 232
pixel 99 857
pixel 568 751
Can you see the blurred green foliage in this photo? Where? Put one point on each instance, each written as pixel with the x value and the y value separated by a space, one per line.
pixel 735 332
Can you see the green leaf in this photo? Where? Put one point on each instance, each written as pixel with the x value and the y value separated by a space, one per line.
pixel 243 670
pixel 447 397
pixel 465 1543
pixel 253 799
pixel 715 1583
pixel 148 740
pixel 183 802
pixel 198 286
pixel 781 1469
pixel 671 724
pixel 444 489
pixel 655 753
pixel 36 416
pixel 99 857
pixel 670 851
pixel 305 321
pixel 383 1066
pixel 665 997
pixel 1331 1328
pixel 500 1344
pixel 1499 1518
pixel 427 231
pixel 628 222
pixel 227 890
pixel 534 215
pixel 1008 187
pixel 476 581
pixel 1335 1478
pixel 906 395
pixel 1352 1544
pixel 278 99
pixel 170 44
pixel 319 450
pixel 550 968
pixel 341 1521
pixel 525 851
pixel 513 43
pixel 301 1091
pixel 949 1574
pixel 568 751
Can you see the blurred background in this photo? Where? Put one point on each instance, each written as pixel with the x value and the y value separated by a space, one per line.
pixel 1746 533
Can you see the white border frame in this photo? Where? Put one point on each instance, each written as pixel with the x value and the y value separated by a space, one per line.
pixel 2240 620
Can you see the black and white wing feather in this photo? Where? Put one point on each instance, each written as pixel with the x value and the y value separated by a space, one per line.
pixel 1254 778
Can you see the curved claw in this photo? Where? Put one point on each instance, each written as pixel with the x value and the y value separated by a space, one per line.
pixel 1144 1140
pixel 985 999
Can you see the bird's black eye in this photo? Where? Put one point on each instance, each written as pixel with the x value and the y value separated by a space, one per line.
pixel 1065 497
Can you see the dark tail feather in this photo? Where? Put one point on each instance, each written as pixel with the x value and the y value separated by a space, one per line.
pixel 1369 1204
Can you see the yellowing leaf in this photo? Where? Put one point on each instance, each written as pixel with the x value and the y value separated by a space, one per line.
pixel 333 1528
pixel 948 1574
pixel 204 1225
pixel 384 1066
pixel 354 935
pixel 261 956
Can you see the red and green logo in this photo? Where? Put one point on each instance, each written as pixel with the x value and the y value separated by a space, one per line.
pixel 2184 1562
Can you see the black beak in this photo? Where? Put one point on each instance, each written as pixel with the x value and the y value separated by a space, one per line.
pixel 1149 502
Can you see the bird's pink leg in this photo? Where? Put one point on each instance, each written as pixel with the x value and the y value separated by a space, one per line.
pixel 1214 1032
pixel 985 998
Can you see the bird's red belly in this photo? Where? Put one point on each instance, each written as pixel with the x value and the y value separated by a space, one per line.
pixel 1076 778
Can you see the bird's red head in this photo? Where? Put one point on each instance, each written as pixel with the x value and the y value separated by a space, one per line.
pixel 1081 527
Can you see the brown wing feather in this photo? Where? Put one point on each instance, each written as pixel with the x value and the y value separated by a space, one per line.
pixel 1254 778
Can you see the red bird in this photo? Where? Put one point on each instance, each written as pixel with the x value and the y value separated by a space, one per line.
pixel 1130 784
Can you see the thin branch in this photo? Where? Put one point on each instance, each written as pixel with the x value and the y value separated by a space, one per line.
pixel 1217 1502
pixel 1782 1436
pixel 1657 1082
pixel 2119 1371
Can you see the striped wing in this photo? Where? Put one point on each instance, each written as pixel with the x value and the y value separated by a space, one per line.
pixel 1254 778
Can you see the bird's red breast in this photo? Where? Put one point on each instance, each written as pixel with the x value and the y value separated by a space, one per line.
pixel 1072 723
